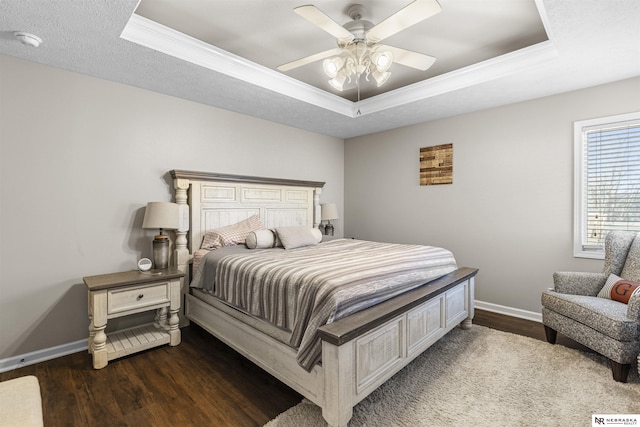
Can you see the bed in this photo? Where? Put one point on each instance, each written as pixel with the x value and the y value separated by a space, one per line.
pixel 358 351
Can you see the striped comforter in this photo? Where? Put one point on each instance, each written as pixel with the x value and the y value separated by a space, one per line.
pixel 305 288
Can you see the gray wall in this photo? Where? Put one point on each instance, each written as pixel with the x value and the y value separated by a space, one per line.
pixel 509 211
pixel 80 158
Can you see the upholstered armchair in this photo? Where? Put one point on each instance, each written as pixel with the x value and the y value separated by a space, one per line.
pixel 601 310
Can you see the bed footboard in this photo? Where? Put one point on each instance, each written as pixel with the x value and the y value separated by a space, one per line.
pixel 388 337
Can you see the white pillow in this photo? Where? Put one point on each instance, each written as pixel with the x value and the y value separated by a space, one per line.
pixel 298 236
pixel 261 239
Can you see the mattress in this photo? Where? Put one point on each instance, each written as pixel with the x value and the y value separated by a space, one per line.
pixel 302 289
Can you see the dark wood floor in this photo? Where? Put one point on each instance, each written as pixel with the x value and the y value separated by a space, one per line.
pixel 201 382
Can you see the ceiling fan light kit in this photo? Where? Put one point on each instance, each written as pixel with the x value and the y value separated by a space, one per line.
pixel 356 61
pixel 331 66
pixel 359 51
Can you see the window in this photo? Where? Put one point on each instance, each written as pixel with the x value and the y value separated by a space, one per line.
pixel 607 180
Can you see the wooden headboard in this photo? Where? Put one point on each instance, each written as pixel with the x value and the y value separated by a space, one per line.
pixel 212 200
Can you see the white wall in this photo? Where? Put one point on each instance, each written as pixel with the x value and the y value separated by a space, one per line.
pixel 509 211
pixel 80 158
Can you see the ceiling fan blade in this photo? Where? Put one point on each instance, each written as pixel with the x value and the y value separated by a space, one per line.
pixel 320 19
pixel 409 58
pixel 309 59
pixel 411 14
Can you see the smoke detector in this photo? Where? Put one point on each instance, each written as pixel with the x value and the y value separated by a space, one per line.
pixel 28 39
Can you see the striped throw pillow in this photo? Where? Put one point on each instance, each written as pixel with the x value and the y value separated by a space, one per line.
pixel 619 289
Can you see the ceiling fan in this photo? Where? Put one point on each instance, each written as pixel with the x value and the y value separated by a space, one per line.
pixel 359 50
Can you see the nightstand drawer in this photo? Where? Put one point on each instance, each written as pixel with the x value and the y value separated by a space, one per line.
pixel 138 297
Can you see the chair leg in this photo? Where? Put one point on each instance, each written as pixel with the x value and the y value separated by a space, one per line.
pixel 620 371
pixel 551 334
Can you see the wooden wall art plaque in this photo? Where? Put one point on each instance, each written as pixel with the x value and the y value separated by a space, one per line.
pixel 436 165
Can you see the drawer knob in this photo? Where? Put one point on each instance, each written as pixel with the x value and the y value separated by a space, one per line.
pixel 140 296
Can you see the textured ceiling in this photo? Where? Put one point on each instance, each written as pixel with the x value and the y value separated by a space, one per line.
pixel 590 42
pixel 269 33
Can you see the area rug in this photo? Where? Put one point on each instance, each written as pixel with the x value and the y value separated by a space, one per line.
pixel 484 377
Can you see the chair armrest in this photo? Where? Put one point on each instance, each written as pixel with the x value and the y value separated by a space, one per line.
pixel 578 283
pixel 633 311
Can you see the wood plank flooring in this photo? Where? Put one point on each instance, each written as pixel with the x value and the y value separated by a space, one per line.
pixel 201 382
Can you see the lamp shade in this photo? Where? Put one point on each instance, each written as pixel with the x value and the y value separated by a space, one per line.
pixel 381 78
pixel 382 60
pixel 338 81
pixel 331 66
pixel 329 212
pixel 161 215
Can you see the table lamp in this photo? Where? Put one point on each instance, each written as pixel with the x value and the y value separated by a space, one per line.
pixel 163 216
pixel 329 211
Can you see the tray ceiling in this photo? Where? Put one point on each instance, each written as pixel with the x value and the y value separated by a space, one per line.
pixel 269 33
pixel 223 53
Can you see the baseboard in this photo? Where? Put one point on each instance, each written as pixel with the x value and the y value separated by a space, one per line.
pixel 34 357
pixel 77 346
pixel 509 311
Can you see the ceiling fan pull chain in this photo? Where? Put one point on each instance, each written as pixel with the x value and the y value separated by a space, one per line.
pixel 358 113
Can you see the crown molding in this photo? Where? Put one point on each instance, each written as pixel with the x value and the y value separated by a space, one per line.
pixel 472 75
pixel 158 37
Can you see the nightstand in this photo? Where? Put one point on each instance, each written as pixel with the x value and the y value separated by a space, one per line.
pixel 121 294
